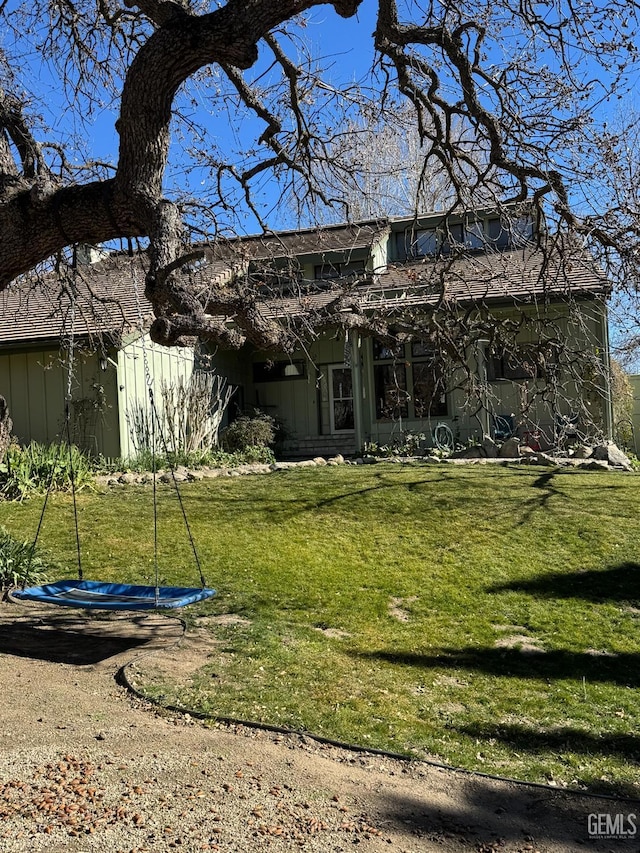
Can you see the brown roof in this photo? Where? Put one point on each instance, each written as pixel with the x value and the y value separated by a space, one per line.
pixel 514 276
pixel 105 303
pixel 311 241
pixel 110 293
pixel 109 301
pixel 510 277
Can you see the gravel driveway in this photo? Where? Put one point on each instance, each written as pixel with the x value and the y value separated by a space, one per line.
pixel 84 766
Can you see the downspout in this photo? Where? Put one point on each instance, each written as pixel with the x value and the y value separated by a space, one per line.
pixel 608 400
pixel 355 342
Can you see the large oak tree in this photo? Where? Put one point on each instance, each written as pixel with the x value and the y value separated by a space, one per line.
pixel 508 99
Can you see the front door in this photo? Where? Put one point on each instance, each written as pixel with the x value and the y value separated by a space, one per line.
pixel 341 398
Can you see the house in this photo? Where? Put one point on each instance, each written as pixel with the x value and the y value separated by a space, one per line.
pixel 114 361
pixel 536 363
pixel 513 339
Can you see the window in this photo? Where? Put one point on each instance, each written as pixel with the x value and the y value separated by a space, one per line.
pixel 409 381
pixel 425 243
pixel 498 234
pixel 455 237
pixel 522 230
pixel 513 232
pixel 429 395
pixel 382 352
pixel 341 386
pixel 390 381
pixel 474 235
pixel 516 366
pixel 417 244
pixel 331 271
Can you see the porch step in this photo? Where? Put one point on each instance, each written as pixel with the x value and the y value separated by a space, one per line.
pixel 323 445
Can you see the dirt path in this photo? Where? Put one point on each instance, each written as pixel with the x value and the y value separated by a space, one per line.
pixel 84 767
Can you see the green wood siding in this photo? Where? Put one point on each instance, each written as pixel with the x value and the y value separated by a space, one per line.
pixel 165 364
pixel 35 383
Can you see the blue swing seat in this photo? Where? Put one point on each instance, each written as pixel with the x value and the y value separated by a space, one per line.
pixel 96 595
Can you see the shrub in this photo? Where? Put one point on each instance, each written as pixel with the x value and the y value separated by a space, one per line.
pixel 19 561
pixel 246 431
pixel 37 467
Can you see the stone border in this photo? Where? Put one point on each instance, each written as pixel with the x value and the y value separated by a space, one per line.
pixel 183 474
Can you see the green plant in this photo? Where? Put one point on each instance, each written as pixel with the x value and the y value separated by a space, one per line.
pixel 247 431
pixel 406 444
pixel 38 467
pixel 19 561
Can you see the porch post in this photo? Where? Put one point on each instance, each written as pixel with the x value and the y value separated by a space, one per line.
pixel 356 377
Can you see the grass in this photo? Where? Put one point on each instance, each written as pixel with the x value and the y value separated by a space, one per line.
pixel 485 617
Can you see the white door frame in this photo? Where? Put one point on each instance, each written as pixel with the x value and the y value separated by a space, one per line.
pixel 333 399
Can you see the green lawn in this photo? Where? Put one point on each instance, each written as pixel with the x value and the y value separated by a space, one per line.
pixel 487 617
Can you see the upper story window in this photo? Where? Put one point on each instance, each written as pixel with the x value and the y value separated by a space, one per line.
pixel 474 235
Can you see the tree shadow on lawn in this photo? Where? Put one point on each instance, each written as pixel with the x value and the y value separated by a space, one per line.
pixel 297 503
pixel 617 583
pixel 544 483
pixel 561 739
pixel 547 487
pixel 622 669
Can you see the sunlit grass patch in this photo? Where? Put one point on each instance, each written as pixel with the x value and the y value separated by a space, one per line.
pixel 485 617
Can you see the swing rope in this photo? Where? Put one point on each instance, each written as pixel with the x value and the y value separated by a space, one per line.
pixel 156 423
pixel 99 594
pixel 69 360
pixel 67 413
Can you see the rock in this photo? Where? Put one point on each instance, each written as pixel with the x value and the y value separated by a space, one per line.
pixel 474 452
pixel 540 458
pixel 510 448
pixel 612 454
pixel 305 463
pixel 320 460
pixel 369 460
pixel 196 474
pixel 177 477
pixel 526 451
pixel 338 459
pixel 582 452
pixel 489 447
pixel 128 479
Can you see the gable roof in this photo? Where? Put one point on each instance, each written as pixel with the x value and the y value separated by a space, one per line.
pixel 110 299
pixel 344 239
pixel 513 277
pixel 105 303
